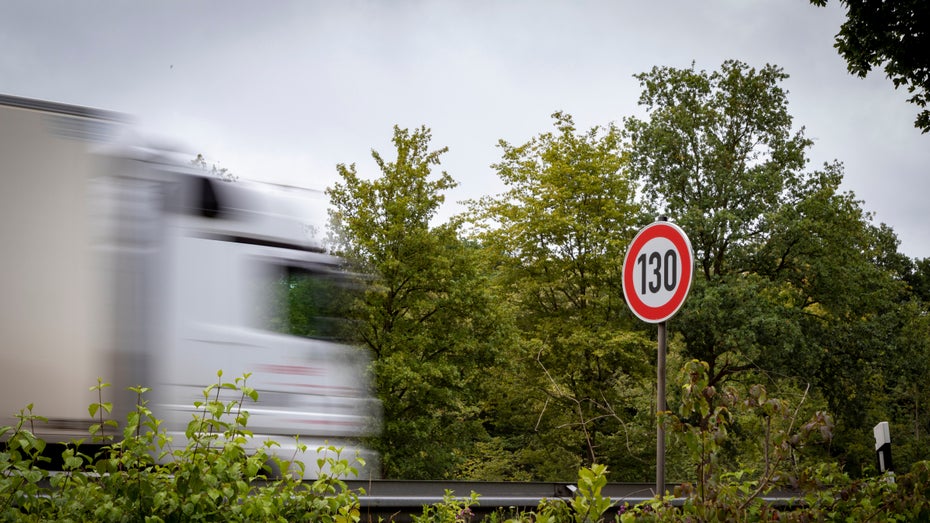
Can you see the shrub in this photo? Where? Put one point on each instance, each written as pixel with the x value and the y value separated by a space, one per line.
pixel 141 477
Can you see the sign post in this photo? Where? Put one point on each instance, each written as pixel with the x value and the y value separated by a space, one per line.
pixel 657 272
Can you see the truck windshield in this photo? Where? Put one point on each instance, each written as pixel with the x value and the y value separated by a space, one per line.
pixel 310 303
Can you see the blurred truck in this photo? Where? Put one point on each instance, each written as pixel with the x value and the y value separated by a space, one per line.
pixel 130 264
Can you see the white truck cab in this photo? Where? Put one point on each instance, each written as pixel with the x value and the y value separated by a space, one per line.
pixel 128 264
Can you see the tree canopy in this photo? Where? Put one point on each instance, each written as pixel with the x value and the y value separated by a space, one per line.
pixel 502 345
pixel 795 279
pixel 555 240
pixel 426 314
pixel 892 34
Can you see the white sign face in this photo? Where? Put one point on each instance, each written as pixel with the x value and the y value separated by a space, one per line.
pixel 657 272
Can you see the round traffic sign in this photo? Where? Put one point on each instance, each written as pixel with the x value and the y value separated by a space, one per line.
pixel 657 271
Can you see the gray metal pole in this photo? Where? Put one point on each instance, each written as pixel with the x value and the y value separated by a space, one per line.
pixel 660 406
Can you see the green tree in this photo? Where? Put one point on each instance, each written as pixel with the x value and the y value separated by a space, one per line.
pixel 794 280
pixel 426 314
pixel 891 34
pixel 718 156
pixel 556 240
pixel 918 277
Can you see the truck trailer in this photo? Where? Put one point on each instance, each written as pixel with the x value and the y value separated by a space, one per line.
pixel 129 264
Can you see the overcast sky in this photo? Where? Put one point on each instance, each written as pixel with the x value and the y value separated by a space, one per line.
pixel 285 90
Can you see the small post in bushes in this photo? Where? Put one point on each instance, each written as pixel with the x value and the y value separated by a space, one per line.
pixel 883 447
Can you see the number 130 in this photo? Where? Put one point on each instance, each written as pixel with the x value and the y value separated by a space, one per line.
pixel 664 271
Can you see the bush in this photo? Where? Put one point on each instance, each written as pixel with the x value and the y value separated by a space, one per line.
pixel 140 477
pixel 702 423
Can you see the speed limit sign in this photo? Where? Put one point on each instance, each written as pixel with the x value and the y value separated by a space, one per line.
pixel 657 271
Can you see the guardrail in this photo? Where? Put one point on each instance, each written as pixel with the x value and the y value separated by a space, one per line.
pixel 396 500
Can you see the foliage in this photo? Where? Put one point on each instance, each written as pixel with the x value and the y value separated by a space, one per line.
pixel 491 460
pixel 829 495
pixel 504 350
pixel 823 492
pixel 917 276
pixel 427 313
pixel 20 473
pixel 555 243
pixel 212 479
pixel 891 34
pixel 587 505
pixel 793 280
pixel 450 510
pixel 140 476
pixel 718 155
pixel 706 421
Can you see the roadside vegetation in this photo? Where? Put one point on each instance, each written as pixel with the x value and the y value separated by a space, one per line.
pixel 141 476
pixel 503 349
pixel 502 345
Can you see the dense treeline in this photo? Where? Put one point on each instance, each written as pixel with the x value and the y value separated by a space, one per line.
pixel 502 345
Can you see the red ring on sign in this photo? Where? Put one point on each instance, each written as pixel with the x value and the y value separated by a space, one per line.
pixel 675 235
